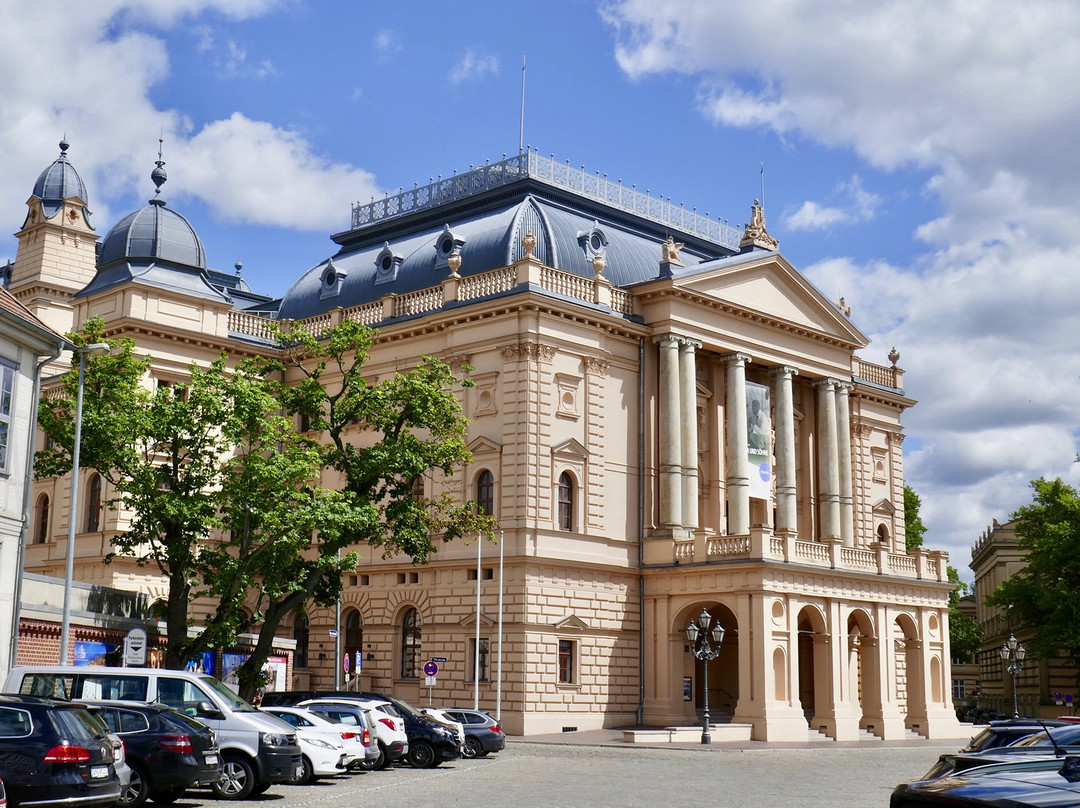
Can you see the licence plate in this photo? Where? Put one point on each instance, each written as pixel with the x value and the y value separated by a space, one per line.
pixel 299 771
pixel 211 760
pixel 99 772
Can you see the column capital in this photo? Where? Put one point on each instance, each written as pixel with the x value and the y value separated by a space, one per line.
pixel 844 386
pixel 828 382
pixel 784 370
pixel 690 344
pixel 735 359
pixel 678 339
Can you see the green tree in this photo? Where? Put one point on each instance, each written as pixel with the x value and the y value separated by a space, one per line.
pixel 224 491
pixel 1045 595
pixel 914 529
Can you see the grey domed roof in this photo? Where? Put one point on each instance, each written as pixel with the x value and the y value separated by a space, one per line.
pixel 157 233
pixel 58 182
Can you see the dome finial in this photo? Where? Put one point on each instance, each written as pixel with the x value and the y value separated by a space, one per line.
pixel 158 175
pixel 64 145
pixel 238 266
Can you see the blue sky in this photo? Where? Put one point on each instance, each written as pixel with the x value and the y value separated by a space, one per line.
pixel 918 160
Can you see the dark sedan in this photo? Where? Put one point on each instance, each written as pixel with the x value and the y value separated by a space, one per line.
pixel 1047 783
pixel 483 734
pixel 53 754
pixel 168 752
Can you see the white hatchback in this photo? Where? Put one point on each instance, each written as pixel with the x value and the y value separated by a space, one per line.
pixel 328 747
pixel 392 742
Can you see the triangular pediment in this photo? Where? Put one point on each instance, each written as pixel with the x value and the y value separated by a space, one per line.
pixel 570 448
pixel 764 283
pixel 484 445
pixel 470 620
pixel 572 621
pixel 883 506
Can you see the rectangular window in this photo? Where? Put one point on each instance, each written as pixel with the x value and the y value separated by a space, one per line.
pixel 959 689
pixel 567 651
pixel 7 404
pixel 483 659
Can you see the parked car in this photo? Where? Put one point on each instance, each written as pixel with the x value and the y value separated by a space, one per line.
pixel 430 742
pixel 453 723
pixel 168 752
pixel 257 750
pixel 3 795
pixel 483 733
pixel 388 728
pixel 1003 733
pixel 1051 782
pixel 54 753
pixel 357 741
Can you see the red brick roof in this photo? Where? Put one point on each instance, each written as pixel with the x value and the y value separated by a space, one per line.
pixel 9 303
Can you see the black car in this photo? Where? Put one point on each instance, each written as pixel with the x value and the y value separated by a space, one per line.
pixel 168 752
pixel 483 734
pixel 430 742
pixel 54 753
pixel 1052 782
pixel 1004 733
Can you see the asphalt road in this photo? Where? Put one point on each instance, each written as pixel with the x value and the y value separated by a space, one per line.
pixel 530 775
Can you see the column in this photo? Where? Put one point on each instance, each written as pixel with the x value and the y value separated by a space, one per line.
pixel 738 483
pixel 670 433
pixel 828 459
pixel 843 443
pixel 688 392
pixel 787 519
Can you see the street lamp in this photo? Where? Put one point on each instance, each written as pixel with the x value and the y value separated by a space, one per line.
pixel 698 634
pixel 95 348
pixel 1013 653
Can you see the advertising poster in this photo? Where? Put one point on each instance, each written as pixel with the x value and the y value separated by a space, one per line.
pixel 91 653
pixel 203 663
pixel 229 664
pixel 274 673
pixel 758 440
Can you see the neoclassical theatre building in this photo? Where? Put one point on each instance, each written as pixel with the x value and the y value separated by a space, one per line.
pixel 667 417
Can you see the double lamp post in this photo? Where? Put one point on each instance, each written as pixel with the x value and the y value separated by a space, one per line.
pixel 699 634
pixel 1012 654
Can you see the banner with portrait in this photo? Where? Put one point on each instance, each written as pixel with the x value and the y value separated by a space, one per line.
pixel 758 440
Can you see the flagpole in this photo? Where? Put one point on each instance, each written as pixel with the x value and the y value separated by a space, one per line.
pixel 476 656
pixel 521 129
pixel 498 681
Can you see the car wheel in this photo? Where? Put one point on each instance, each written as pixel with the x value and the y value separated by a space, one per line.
pixel 237 780
pixel 422 755
pixel 382 761
pixel 167 797
pixel 260 788
pixel 471 748
pixel 305 776
pixel 138 789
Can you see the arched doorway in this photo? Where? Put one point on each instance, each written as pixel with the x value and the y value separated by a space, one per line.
pixel 863 681
pixel 813 659
pixel 723 681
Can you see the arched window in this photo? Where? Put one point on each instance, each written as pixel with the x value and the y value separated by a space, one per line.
pixel 42 534
pixel 301 635
pixel 354 636
pixel 410 645
pixel 566 501
pixel 93 505
pixel 485 492
pixel 882 533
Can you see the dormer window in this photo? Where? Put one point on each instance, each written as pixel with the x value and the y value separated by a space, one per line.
pixel 332 281
pixel 445 243
pixel 386 265
pixel 593 242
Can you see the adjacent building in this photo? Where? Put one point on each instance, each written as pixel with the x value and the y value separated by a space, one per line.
pixel 667 417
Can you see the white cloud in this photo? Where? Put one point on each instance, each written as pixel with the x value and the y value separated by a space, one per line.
pixel 987 318
pixel 473 67
pixel 104 60
pixel 386 42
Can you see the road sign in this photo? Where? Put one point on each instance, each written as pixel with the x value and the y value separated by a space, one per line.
pixel 431 668
pixel 359 661
pixel 135 647
pixel 439 659
pixel 429 681
pixel 345 663
pixel 333 632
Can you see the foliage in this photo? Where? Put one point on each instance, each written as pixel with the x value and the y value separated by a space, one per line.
pixel 914 529
pixel 1045 595
pixel 224 494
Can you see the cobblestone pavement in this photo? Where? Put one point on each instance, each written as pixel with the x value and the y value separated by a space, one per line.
pixel 597 771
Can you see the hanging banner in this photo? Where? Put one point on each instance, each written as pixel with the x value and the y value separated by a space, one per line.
pixel 758 440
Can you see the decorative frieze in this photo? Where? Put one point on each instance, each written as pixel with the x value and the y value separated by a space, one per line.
pixel 528 350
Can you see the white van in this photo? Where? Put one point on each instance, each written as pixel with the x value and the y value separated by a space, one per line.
pixel 257 749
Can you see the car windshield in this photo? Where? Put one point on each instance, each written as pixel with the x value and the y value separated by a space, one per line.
pixel 405 707
pixel 234 702
pixel 76 724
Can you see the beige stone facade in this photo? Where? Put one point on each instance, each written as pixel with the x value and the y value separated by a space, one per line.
pixel 610 430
